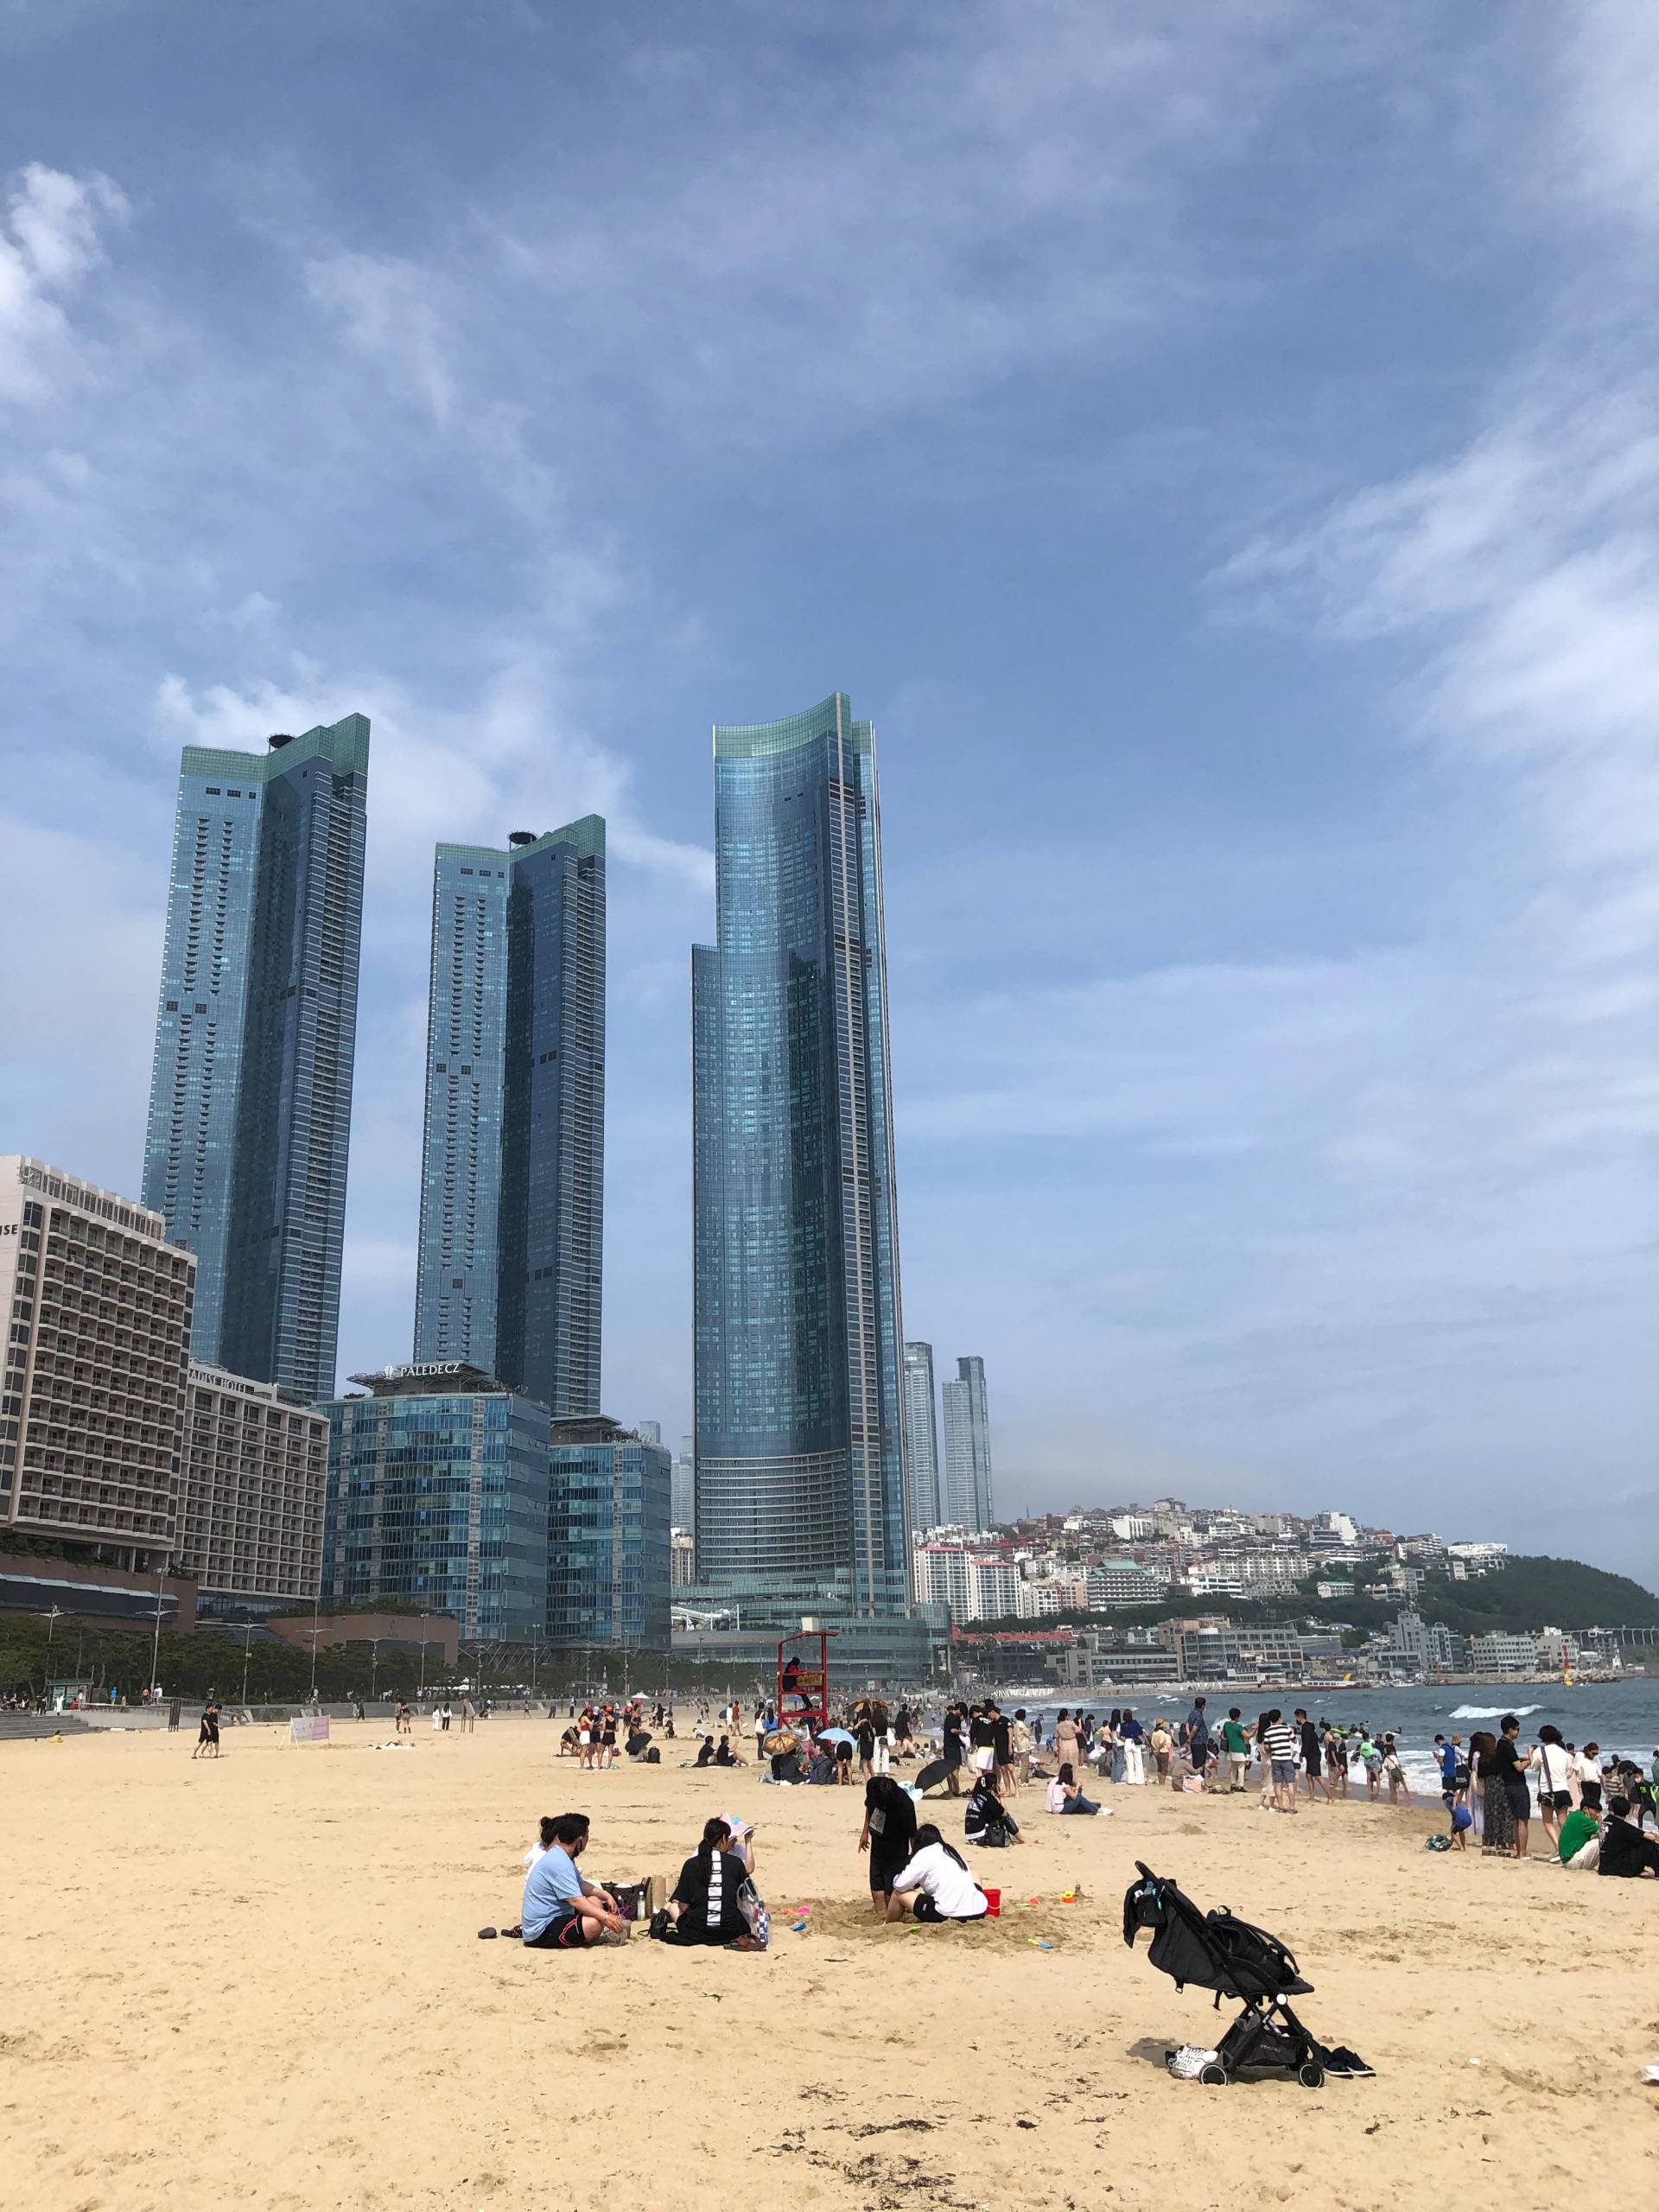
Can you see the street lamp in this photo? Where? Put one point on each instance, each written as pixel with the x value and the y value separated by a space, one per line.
pixel 54 1615
pixel 374 1668
pixel 155 1641
pixel 421 1693
pixel 247 1653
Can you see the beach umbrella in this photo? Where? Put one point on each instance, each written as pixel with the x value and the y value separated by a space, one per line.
pixel 835 1735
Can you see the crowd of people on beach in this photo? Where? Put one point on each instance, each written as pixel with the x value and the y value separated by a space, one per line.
pixel 1593 1808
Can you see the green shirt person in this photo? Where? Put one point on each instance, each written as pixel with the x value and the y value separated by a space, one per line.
pixel 1235 1738
pixel 1577 1828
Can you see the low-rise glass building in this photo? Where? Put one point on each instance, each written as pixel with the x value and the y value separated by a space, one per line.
pixel 608 1582
pixel 438 1484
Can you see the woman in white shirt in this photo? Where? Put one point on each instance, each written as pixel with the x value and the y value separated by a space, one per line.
pixel 936 1883
pixel 1553 1764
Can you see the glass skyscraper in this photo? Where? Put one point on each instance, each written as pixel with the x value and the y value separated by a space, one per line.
pixel 250 1096
pixel 968 1446
pixel 927 1509
pixel 799 1427
pixel 512 1184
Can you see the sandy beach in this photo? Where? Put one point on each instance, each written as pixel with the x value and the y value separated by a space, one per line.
pixel 259 1983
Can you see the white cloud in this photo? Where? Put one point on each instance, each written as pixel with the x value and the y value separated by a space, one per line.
pixel 390 308
pixel 50 241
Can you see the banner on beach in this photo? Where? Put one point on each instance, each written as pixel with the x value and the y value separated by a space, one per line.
pixel 310 1728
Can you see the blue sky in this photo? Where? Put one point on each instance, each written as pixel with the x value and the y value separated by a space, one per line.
pixel 1217 446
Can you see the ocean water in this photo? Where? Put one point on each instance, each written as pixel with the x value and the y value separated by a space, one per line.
pixel 1621 1716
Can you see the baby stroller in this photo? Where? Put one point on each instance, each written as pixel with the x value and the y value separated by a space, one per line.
pixel 1216 1951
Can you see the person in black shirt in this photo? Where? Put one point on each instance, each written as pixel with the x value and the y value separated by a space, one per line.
pixel 987 1820
pixel 706 1906
pixel 953 1750
pixel 1625 1849
pixel 1312 1755
pixel 1507 1762
pixel 888 1835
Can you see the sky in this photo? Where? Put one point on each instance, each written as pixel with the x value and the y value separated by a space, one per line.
pixel 1219 448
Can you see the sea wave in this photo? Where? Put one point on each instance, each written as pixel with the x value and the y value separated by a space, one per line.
pixel 1492 1711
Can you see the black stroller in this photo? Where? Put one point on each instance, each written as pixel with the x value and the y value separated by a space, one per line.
pixel 1216 1951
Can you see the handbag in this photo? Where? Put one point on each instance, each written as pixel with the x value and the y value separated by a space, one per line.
pixel 753 1906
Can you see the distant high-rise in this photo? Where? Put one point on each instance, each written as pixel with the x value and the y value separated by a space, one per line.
pixel 799 1455
pixel 682 1493
pixel 512 1184
pixel 968 1447
pixel 251 1096
pixel 927 1507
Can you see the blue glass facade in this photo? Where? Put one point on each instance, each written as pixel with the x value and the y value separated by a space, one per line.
pixel 438 1502
pixel 250 1093
pixel 607 1539
pixel 799 1452
pixel 511 1239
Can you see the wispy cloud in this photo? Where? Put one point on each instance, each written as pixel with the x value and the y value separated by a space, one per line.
pixel 51 239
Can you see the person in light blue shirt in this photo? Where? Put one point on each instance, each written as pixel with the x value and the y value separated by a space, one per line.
pixel 562 1911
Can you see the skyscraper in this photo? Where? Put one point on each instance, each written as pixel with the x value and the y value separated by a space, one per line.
pixel 512 1184
pixel 968 1446
pixel 799 1453
pixel 928 1508
pixel 251 1096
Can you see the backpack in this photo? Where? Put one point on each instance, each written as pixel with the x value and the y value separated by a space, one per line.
pixel 653 1757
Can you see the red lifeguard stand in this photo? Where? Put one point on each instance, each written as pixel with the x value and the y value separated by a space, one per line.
pixel 803 1677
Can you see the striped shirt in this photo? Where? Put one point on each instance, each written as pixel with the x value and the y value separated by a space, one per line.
pixel 1280 1740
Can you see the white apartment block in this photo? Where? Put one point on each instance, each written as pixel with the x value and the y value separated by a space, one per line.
pixel 992 1587
pixel 97 1306
pixel 252 1491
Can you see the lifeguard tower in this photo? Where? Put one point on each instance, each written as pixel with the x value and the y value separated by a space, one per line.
pixel 803 1677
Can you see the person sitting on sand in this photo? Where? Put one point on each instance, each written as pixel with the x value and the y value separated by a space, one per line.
pixel 1578 1828
pixel 1065 1797
pixel 1625 1849
pixel 726 1756
pixel 936 1886
pixel 562 1911
pixel 706 1752
pixel 705 1907
pixel 637 1743
pixel 987 1820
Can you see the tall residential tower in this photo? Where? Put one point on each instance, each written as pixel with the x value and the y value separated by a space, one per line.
pixel 799 1451
pixel 968 1447
pixel 512 1184
pixel 251 1096
pixel 927 1505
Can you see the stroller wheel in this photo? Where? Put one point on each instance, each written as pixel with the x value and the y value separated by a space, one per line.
pixel 1312 2076
pixel 1215 2077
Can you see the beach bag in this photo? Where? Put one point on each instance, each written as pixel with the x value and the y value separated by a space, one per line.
pixel 630 1899
pixel 653 1757
pixel 753 1906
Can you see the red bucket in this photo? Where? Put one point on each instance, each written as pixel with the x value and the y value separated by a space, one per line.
pixel 993 1905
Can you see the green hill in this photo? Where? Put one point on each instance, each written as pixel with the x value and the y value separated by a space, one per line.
pixel 1527 1592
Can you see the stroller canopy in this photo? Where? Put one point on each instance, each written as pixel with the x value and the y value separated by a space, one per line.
pixel 1213 1950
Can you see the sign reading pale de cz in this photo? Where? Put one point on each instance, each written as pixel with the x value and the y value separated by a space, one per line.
pixel 427 1367
pixel 309 1728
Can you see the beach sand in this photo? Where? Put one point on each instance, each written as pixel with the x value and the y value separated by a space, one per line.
pixel 259 1984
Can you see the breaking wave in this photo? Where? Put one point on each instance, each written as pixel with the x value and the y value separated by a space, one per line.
pixel 1492 1711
